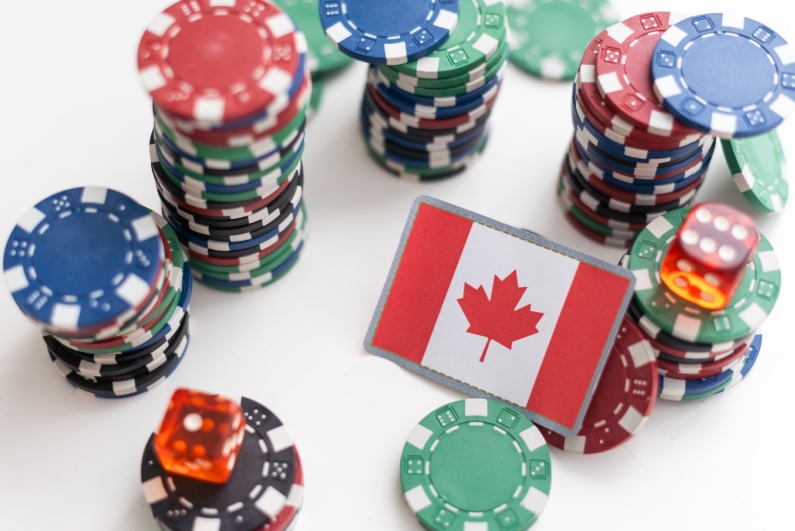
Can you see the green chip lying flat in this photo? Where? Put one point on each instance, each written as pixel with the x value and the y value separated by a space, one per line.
pixel 548 37
pixel 476 464
pixel 759 169
pixel 323 55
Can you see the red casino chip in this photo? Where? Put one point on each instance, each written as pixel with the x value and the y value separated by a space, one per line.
pixel 623 77
pixel 623 400
pixel 217 62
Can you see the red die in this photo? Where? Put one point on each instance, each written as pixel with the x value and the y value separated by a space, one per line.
pixel 706 262
pixel 200 436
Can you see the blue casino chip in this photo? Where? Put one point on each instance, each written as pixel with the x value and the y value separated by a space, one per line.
pixel 750 359
pixel 83 259
pixel 388 32
pixel 725 74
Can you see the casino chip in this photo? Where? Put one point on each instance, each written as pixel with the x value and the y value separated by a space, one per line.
pixel 724 74
pixel 287 518
pixel 426 119
pixel 623 400
pixel 548 37
pixel 630 161
pixel 476 464
pixel 318 88
pixel 323 55
pixel 388 33
pixel 215 62
pixel 699 352
pixel 264 491
pixel 115 320
pixel 324 59
pixel 748 308
pixel 760 170
pixel 227 161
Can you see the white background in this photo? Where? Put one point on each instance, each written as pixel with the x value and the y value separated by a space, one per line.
pixel 74 114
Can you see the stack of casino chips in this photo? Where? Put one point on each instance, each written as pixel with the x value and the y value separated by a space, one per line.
pixel 265 491
pixel 699 352
pixel 630 161
pixel 107 282
pixel 231 88
pixel 429 92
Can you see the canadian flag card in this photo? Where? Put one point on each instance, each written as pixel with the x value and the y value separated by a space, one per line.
pixel 499 312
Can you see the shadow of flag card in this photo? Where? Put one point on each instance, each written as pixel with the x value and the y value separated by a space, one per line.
pixel 499 312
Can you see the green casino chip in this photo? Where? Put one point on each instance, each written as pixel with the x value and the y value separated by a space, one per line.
pixel 549 37
pixel 318 87
pixel 748 308
pixel 323 55
pixel 476 464
pixel 760 170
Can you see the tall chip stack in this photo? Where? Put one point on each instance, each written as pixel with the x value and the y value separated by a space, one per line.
pixel 702 351
pixel 647 105
pixel 107 282
pixel 726 277
pixel 436 70
pixel 231 87
pixel 630 161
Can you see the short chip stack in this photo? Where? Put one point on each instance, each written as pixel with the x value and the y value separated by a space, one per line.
pixel 630 161
pixel 264 492
pixel 231 87
pixel 106 280
pixel 699 352
pixel 429 92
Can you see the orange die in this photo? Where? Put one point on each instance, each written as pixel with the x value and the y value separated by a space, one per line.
pixel 200 436
pixel 706 261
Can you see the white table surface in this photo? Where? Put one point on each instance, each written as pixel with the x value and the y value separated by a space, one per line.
pixel 74 114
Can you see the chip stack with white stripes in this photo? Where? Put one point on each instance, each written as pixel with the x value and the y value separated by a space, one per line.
pixel 436 68
pixel 630 161
pixel 231 87
pixel 701 309
pixel 108 284
pixel 264 489
pixel 647 108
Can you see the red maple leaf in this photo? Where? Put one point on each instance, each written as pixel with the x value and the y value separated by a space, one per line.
pixel 498 318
